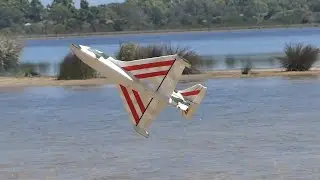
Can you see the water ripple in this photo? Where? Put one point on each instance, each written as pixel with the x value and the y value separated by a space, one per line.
pixel 245 129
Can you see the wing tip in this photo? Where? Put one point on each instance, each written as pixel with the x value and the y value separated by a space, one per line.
pixel 185 62
pixel 141 131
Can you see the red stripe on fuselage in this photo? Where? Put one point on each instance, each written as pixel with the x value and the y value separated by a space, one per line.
pixel 190 93
pixel 130 104
pixel 148 65
pixel 139 101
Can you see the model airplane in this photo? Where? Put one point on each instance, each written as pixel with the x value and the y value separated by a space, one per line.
pixel 146 86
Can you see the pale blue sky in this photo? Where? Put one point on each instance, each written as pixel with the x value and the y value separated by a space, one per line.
pixel 91 2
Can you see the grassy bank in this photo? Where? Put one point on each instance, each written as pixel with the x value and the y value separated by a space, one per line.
pixel 6 82
pixel 161 31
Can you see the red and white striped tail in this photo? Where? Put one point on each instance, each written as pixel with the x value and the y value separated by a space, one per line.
pixel 194 94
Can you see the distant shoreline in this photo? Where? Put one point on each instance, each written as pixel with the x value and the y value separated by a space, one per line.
pixel 11 82
pixel 164 31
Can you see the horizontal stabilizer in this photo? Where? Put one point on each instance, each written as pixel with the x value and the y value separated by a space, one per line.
pixel 194 95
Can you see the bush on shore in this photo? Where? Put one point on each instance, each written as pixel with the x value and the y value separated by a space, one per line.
pixel 73 68
pixel 299 57
pixel 130 51
pixel 246 66
pixel 10 49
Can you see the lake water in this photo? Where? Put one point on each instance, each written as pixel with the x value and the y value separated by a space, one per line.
pixel 205 43
pixel 262 128
pixel 255 45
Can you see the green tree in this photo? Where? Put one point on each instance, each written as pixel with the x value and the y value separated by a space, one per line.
pixel 152 14
pixel 84 4
pixel 36 11
pixel 67 3
pixel 10 14
pixel 60 14
pixel 59 29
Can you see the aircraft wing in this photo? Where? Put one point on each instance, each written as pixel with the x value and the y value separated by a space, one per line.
pixel 142 109
pixel 163 72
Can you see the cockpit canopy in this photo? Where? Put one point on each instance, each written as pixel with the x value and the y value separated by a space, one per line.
pixel 98 53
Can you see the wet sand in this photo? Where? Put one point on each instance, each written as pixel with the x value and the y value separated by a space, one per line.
pixel 52 81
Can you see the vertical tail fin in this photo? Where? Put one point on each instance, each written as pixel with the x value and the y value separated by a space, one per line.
pixel 194 95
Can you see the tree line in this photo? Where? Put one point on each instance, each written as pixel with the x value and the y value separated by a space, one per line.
pixel 61 16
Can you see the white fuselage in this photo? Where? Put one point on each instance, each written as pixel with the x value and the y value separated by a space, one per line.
pixel 104 66
pixel 117 75
pixel 178 101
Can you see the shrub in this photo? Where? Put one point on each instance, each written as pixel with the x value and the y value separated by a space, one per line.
pixel 230 61
pixel 73 68
pixel 10 49
pixel 299 57
pixel 28 69
pixel 33 69
pixel 127 52
pixel 246 66
pixel 130 51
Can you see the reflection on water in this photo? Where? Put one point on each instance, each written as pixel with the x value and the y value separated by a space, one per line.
pixel 262 128
pixel 214 62
pixel 222 62
pixel 207 63
pixel 303 77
